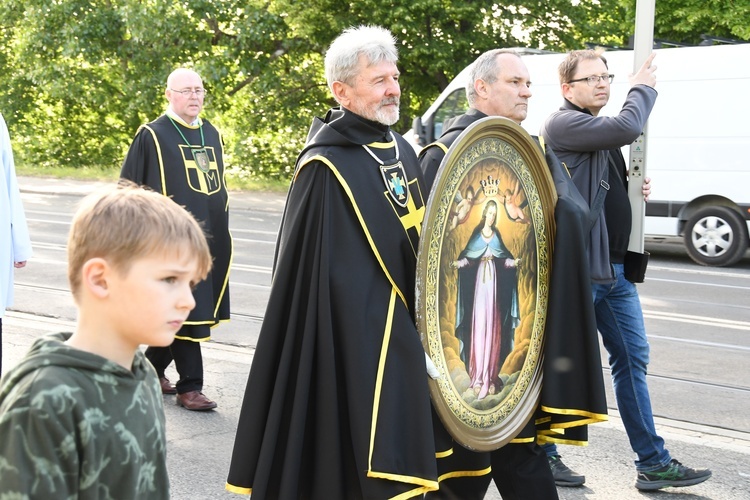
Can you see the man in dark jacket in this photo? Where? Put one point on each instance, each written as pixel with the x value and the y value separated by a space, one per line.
pixel 589 145
pixel 499 85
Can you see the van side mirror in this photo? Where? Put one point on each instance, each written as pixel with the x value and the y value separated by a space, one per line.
pixel 419 131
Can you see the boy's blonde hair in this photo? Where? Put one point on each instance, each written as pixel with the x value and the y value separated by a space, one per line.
pixel 126 222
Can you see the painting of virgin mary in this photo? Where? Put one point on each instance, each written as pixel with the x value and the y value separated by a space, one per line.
pixel 487 312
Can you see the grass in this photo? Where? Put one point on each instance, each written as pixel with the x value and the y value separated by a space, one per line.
pixel 234 183
pixel 89 174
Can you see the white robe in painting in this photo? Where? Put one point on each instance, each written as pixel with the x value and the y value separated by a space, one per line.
pixel 15 244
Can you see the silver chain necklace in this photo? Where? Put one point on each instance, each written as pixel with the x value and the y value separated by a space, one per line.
pixel 394 175
pixel 378 159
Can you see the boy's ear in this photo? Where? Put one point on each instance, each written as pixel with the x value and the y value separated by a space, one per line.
pixel 94 276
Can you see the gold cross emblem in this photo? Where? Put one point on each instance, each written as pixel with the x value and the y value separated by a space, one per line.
pixel 414 216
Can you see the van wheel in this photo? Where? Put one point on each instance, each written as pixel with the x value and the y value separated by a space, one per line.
pixel 716 236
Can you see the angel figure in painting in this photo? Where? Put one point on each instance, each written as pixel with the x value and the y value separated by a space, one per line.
pixel 487 311
pixel 463 207
pixel 514 209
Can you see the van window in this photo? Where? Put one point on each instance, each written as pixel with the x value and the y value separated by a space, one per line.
pixel 454 105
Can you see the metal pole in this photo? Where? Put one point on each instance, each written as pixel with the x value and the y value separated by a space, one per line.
pixel 642 47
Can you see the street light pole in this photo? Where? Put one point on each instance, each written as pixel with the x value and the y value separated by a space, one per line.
pixel 642 47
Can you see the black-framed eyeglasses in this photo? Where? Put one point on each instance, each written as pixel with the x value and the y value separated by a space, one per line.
pixel 594 80
pixel 189 92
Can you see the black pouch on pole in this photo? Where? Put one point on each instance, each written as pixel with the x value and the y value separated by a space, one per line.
pixel 635 266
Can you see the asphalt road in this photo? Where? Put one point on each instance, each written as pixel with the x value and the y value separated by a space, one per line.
pixel 698 320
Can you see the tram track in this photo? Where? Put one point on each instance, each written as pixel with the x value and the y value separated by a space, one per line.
pixel 240 316
pixel 702 383
pixel 256 318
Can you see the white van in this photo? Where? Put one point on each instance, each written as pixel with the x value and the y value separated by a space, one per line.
pixel 698 139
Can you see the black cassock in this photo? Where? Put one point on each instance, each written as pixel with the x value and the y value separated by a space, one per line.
pixel 161 159
pixel 337 403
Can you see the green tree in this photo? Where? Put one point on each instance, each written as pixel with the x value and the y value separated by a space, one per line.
pixel 53 84
pixel 685 21
pixel 78 77
pixel 440 37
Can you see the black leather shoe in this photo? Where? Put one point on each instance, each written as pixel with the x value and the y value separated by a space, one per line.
pixel 196 401
pixel 166 386
pixel 563 475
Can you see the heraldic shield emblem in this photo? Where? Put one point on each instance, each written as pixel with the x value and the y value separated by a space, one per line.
pixel 394 177
pixel 483 281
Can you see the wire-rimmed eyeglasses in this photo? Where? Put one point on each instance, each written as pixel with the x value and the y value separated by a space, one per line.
pixel 594 80
pixel 189 92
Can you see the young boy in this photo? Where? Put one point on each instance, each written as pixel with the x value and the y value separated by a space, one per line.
pixel 81 416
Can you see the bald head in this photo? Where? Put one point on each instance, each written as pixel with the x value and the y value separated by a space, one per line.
pixel 181 74
pixel 184 101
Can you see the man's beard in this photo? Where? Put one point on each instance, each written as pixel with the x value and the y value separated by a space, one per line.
pixel 381 113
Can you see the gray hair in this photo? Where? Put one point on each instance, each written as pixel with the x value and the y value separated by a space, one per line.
pixel 485 68
pixel 342 58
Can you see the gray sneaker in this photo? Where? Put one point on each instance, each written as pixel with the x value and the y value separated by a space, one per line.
pixel 673 474
pixel 563 475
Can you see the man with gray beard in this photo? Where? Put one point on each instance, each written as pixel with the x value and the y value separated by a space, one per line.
pixel 337 405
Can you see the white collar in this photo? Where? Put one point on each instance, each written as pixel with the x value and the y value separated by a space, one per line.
pixel 195 123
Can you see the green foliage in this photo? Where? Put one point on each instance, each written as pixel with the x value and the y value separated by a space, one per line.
pixel 683 21
pixel 78 77
pixel 686 20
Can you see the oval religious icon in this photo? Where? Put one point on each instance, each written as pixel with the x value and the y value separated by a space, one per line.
pixel 483 279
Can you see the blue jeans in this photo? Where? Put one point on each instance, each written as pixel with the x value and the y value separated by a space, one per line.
pixel 619 320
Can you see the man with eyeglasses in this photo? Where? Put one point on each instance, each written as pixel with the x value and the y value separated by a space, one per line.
pixel 182 156
pixel 589 145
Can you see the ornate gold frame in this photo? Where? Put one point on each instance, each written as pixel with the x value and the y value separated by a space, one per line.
pixel 491 145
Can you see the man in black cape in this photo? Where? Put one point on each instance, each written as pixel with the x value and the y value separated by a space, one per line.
pixel 337 404
pixel 182 156
pixel 572 388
